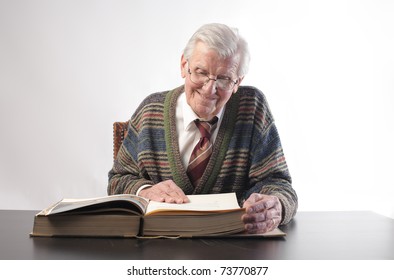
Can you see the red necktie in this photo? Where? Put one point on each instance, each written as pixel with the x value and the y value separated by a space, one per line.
pixel 202 151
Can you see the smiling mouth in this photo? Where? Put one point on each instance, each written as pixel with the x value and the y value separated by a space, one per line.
pixel 205 98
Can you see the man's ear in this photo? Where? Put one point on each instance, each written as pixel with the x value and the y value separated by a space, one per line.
pixel 183 66
pixel 237 85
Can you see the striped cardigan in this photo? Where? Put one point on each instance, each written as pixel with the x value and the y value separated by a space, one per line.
pixel 247 155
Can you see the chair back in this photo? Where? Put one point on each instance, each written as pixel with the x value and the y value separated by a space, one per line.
pixel 120 132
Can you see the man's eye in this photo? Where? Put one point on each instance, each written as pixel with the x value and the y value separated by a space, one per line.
pixel 201 73
pixel 224 78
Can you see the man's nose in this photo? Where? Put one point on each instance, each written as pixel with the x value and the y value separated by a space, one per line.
pixel 210 87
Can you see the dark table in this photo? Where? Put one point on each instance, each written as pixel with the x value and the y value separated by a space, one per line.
pixel 310 236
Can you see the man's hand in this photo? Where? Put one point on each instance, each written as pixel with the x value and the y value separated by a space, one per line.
pixel 263 213
pixel 166 191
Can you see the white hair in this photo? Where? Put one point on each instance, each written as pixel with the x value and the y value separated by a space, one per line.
pixel 224 40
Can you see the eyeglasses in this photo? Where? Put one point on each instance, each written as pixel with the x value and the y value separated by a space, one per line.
pixel 201 79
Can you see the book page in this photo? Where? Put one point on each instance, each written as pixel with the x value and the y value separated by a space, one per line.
pixel 72 204
pixel 202 203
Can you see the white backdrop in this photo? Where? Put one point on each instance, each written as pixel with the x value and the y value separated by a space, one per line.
pixel 69 69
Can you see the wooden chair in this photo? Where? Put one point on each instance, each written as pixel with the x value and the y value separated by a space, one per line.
pixel 120 132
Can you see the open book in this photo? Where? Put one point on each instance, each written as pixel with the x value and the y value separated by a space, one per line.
pixel 133 216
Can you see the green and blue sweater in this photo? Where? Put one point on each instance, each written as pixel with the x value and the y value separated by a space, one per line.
pixel 247 154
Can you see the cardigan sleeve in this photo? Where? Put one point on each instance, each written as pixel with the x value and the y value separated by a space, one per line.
pixel 269 173
pixel 140 147
pixel 125 175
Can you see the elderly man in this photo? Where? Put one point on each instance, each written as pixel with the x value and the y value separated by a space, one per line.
pixel 210 135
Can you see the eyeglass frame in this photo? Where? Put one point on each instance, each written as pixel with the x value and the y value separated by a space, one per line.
pixel 211 79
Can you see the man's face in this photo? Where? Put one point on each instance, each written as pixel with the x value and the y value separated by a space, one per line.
pixel 207 100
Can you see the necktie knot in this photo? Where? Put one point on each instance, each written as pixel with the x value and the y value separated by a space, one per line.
pixel 206 127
